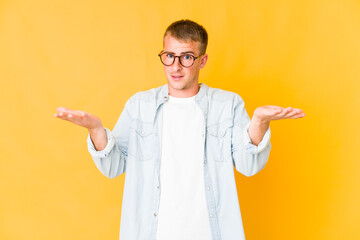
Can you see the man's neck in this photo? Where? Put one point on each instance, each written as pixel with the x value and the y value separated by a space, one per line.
pixel 184 93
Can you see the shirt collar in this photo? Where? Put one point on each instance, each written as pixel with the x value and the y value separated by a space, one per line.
pixel 164 94
pixel 200 98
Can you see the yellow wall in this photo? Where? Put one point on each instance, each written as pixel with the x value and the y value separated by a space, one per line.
pixel 93 55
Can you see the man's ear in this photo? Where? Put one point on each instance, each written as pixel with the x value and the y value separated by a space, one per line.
pixel 203 61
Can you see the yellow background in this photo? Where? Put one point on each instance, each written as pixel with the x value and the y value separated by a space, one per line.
pixel 93 55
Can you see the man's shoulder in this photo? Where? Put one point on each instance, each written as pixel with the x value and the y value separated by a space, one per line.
pixel 212 93
pixel 148 95
pixel 219 94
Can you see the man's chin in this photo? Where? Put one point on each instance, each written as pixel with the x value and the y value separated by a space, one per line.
pixel 176 86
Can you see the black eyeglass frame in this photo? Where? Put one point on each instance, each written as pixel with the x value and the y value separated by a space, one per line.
pixel 162 52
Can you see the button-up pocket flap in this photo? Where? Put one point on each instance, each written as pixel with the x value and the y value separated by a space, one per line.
pixel 142 128
pixel 142 140
pixel 219 141
pixel 219 130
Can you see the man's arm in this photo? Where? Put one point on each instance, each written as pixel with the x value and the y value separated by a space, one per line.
pixel 86 120
pixel 262 117
pixel 257 131
pixel 251 138
pixel 102 145
pixel 99 138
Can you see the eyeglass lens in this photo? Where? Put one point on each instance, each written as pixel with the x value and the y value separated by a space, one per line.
pixel 186 60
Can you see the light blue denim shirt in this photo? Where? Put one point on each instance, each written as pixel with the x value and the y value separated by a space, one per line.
pixel 134 147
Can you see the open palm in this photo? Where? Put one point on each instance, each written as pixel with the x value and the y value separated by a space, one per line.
pixel 270 112
pixel 77 117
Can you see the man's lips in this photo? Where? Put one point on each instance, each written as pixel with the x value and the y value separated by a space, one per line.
pixel 177 76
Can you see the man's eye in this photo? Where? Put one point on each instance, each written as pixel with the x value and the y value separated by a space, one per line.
pixel 169 55
pixel 188 56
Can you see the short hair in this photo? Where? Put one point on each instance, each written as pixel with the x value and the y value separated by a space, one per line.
pixel 186 30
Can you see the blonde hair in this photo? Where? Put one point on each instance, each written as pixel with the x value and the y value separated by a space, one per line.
pixel 188 30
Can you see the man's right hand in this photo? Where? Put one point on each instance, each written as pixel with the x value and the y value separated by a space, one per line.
pixel 80 118
pixel 87 120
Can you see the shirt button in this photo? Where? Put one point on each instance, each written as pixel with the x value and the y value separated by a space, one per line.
pixel 154 214
pixel 158 186
pixel 142 133
pixel 211 215
pixel 208 188
pixel 205 161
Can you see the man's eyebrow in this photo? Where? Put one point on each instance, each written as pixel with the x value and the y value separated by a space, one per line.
pixel 181 52
pixel 188 52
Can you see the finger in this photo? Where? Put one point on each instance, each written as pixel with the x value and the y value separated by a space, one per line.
pixel 298 110
pixel 67 116
pixel 298 116
pixel 68 112
pixel 290 109
pixel 82 113
pixel 73 119
pixel 62 111
pixel 282 111
pixel 277 111
pixel 290 114
pixel 287 109
pixel 75 114
pixel 295 114
pixel 62 115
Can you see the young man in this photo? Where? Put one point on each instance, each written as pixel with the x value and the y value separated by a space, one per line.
pixel 178 144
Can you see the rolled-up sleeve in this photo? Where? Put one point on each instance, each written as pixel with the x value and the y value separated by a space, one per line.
pixel 248 158
pixel 250 147
pixel 105 152
pixel 111 161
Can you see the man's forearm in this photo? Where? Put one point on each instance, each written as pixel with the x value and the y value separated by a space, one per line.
pixel 99 138
pixel 257 130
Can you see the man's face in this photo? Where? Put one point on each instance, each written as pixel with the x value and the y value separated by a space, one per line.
pixel 183 81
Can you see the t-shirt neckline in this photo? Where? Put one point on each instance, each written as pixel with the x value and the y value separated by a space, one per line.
pixel 181 100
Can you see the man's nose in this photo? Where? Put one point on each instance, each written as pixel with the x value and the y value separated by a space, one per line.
pixel 176 65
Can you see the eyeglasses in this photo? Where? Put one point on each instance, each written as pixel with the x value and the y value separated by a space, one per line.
pixel 186 60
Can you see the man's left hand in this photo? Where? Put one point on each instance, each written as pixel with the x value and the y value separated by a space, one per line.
pixel 265 114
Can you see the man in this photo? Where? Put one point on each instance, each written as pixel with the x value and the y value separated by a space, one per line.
pixel 178 144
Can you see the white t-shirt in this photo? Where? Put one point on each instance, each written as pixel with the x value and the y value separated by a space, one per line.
pixel 183 212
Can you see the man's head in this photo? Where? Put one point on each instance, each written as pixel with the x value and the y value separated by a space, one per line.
pixel 185 43
pixel 187 30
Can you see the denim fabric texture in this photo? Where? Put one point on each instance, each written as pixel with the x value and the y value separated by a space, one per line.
pixel 134 148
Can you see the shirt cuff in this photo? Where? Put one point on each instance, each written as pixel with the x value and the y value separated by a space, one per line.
pixel 253 149
pixel 105 152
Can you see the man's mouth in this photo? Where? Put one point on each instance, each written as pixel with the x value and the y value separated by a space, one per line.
pixel 176 77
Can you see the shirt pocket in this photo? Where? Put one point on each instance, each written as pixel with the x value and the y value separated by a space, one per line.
pixel 141 142
pixel 218 141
